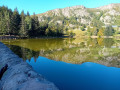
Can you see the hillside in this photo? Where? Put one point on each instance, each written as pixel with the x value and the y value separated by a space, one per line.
pixel 69 21
pixel 73 17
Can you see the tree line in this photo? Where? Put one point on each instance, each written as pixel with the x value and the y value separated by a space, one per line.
pixel 25 25
pixel 103 31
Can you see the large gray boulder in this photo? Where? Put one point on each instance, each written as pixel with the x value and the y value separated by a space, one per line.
pixel 20 75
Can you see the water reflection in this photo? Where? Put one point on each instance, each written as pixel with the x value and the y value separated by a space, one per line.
pixel 87 76
pixel 73 64
pixel 76 51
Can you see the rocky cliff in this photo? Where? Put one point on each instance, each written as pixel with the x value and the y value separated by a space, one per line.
pixel 105 15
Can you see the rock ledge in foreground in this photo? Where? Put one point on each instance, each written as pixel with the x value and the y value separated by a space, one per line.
pixel 20 75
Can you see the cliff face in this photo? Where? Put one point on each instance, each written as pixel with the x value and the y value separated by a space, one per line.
pixel 109 14
pixel 19 75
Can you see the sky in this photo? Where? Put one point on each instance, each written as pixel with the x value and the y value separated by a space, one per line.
pixel 41 6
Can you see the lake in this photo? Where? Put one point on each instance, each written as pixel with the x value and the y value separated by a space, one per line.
pixel 73 64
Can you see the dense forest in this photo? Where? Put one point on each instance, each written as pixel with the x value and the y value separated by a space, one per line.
pixel 24 25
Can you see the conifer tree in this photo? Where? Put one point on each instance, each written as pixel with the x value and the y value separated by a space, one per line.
pixel 35 25
pixel 28 25
pixel 15 22
pixel 22 31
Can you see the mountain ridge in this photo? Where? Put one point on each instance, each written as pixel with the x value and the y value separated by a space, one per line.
pixel 112 4
pixel 79 14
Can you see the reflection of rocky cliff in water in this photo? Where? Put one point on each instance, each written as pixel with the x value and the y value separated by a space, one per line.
pixel 111 61
pixel 73 55
pixel 102 51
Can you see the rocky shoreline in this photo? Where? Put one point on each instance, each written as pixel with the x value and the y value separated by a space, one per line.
pixel 19 75
pixel 9 37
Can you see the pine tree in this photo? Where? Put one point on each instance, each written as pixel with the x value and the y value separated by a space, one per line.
pixel 15 22
pixel 28 26
pixel 28 14
pixel 35 25
pixel 7 16
pixel 22 31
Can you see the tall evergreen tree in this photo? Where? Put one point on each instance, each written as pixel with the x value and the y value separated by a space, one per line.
pixel 35 25
pixel 22 31
pixel 28 25
pixel 28 14
pixel 15 22
pixel 7 16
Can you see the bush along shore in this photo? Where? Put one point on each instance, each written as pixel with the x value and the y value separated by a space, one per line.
pixel 15 74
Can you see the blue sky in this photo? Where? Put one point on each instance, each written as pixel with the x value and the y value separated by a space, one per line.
pixel 40 6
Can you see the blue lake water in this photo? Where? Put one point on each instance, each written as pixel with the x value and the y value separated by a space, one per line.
pixel 73 64
pixel 87 76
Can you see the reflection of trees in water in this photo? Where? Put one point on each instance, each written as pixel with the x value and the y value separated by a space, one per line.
pixel 90 50
pixel 24 52
pixel 51 44
pixel 107 42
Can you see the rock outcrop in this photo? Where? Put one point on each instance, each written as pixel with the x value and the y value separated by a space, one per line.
pixel 108 14
pixel 19 75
